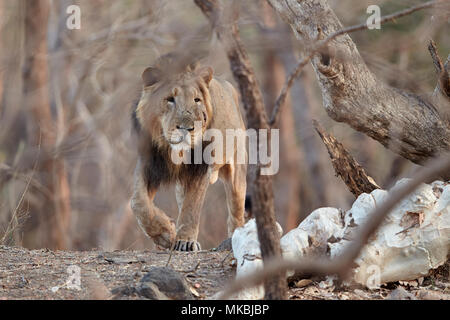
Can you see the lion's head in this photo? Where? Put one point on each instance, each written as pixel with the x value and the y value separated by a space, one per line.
pixel 175 109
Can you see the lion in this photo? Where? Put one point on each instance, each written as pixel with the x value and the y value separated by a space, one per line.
pixel 172 102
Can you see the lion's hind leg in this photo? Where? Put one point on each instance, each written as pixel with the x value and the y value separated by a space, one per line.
pixel 155 223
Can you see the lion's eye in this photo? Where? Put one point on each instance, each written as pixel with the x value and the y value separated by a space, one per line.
pixel 171 99
pixel 197 99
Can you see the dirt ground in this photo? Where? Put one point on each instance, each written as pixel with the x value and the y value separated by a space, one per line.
pixel 43 274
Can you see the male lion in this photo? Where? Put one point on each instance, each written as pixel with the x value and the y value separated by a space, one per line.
pixel 170 103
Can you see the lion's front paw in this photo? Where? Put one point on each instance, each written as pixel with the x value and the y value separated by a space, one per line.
pixel 186 245
pixel 164 240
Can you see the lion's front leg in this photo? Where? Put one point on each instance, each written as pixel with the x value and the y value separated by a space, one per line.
pixel 190 198
pixel 155 223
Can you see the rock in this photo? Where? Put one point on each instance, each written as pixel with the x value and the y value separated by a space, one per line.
pixel 361 294
pixel 150 291
pixel 303 283
pixel 327 283
pixel 401 294
pixel 122 291
pixel 167 281
pixel 432 295
pixel 225 245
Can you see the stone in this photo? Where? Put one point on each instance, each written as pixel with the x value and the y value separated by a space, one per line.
pixel 401 294
pixel 150 291
pixel 167 281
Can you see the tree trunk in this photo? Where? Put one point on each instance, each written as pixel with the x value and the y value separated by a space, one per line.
pixel 400 121
pixel 54 212
pixel 260 185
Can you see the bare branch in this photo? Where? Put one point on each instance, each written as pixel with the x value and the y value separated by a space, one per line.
pixel 388 18
pixel 345 166
pixel 284 92
pixel 342 265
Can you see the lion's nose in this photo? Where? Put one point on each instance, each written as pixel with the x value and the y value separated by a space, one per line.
pixel 185 128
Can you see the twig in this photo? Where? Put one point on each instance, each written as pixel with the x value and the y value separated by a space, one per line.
pixel 224 259
pixel 10 229
pixel 170 255
pixel 387 18
pixel 193 270
pixel 435 56
pixel 342 264
pixel 320 44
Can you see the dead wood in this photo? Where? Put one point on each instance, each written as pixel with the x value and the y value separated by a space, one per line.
pixel 345 166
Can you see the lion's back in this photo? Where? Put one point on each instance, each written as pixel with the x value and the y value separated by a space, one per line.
pixel 225 103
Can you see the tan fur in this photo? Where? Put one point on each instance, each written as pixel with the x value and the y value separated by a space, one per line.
pixel 157 117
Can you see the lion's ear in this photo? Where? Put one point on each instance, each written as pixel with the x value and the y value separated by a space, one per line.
pixel 151 76
pixel 207 74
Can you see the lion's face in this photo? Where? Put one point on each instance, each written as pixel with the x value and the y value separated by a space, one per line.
pixel 176 111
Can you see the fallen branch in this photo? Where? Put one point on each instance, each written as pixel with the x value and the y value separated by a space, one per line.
pixel 342 265
pixel 345 166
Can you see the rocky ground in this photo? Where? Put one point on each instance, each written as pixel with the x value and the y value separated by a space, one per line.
pixel 44 274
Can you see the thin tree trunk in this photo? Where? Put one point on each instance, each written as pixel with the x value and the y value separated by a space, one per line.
pixel 54 214
pixel 260 185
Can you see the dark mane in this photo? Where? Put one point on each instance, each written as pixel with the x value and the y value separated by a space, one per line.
pixel 134 119
pixel 159 168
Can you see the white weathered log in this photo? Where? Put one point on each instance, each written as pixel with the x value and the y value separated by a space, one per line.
pixel 246 250
pixel 311 237
pixel 414 238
